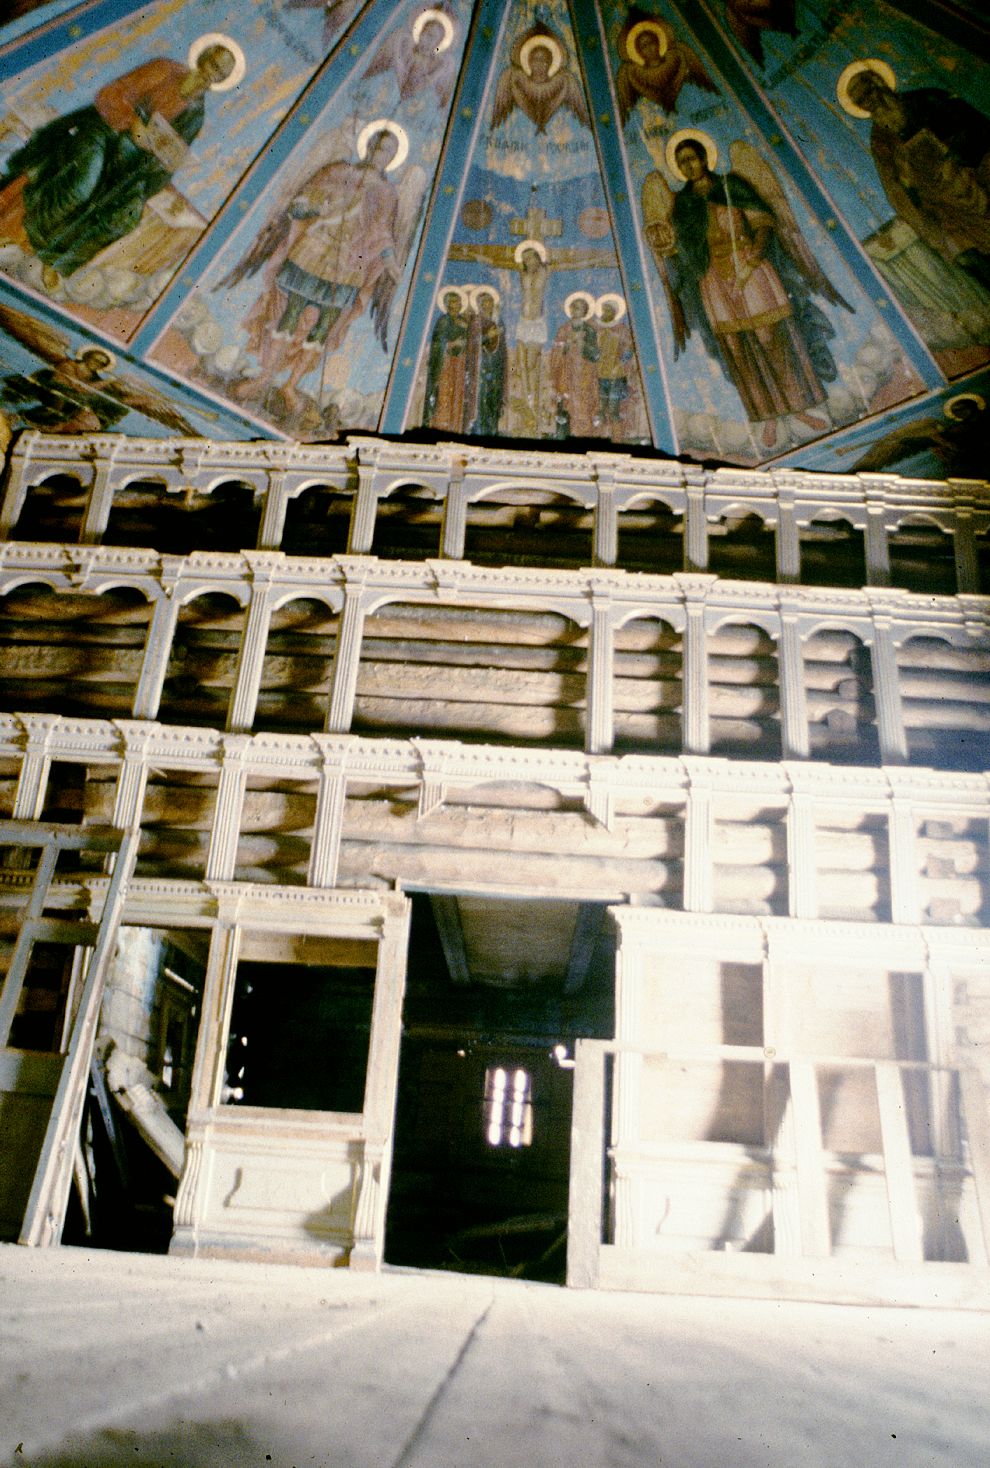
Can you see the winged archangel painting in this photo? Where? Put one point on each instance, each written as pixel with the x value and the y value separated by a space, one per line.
pixel 336 252
pixel 737 269
pixel 296 318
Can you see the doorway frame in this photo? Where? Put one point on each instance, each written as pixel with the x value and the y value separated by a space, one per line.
pixel 281 1184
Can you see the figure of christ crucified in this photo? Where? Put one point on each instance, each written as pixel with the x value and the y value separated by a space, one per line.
pixel 533 262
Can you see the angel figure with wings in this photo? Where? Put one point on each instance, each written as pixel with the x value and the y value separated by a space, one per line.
pixel 429 64
pixel 655 64
pixel 337 15
pixel 537 82
pixel 74 393
pixel 736 268
pixel 335 252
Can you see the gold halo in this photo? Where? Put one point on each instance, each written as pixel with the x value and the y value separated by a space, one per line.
pixel 84 351
pixel 384 125
pixel 462 292
pixel 217 38
pixel 882 69
pixel 483 290
pixel 694 135
pixel 632 47
pixel 549 43
pixel 584 296
pixel 611 298
pixel 536 245
pixel 419 25
pixel 963 397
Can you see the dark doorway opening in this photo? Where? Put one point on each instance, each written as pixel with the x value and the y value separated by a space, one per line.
pixel 498 991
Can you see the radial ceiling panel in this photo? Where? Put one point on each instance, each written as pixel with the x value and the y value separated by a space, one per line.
pixel 294 218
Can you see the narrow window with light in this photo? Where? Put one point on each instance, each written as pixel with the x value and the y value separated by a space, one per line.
pixel 508 1107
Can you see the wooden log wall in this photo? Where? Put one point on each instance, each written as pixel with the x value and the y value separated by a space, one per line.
pixel 473 673
pixel 491 672
pixel 66 653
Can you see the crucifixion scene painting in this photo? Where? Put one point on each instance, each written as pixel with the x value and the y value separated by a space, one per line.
pixel 533 268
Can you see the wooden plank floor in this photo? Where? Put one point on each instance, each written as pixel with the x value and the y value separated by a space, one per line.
pixel 117 1359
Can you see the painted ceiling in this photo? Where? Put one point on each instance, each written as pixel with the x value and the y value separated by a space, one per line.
pixel 737 231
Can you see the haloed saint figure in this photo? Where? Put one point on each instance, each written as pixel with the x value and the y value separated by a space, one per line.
pixel 737 270
pixel 335 251
pixel 932 153
pixel 81 181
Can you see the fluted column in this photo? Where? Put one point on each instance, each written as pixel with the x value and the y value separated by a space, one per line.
pixel 877 548
pixel 347 657
pixel 890 715
pixel 35 764
pixel 158 645
pixel 454 515
pixel 788 542
pixel 276 503
pixel 222 856
pixel 133 777
pixel 696 735
pixel 365 509
pixel 967 564
pixel 793 701
pixel 328 822
pixel 695 530
pixel 606 521
pixel 100 499
pixel 251 656
pixel 601 660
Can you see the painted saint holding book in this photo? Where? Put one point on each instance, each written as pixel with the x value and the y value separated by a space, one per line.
pixel 81 181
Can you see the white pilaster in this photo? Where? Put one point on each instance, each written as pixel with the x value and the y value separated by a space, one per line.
pixel 606 520
pixel 696 734
pixel 36 761
pixel 251 657
pixel 380 1086
pixel 599 733
pixel 788 542
pixel 230 802
pixel 347 657
pixel 454 515
pixel 967 564
pixel 100 500
pixel 890 716
pixel 699 862
pixel 218 993
pixel 793 702
pixel 877 547
pixel 276 503
pixel 365 509
pixel 802 863
pixel 158 646
pixel 133 777
pixel 695 530
pixel 18 480
pixel 905 895
pixel 328 822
